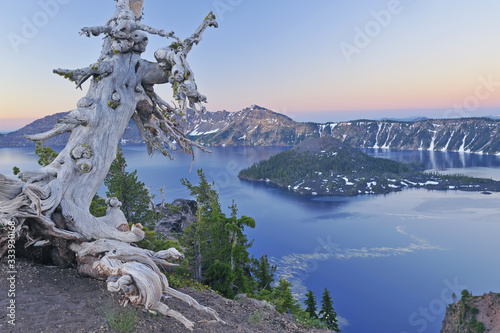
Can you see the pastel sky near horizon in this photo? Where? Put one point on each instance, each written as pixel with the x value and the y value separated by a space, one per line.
pixel 321 60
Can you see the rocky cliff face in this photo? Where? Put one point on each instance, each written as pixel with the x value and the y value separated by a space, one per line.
pixel 177 216
pixel 253 126
pixel 257 126
pixel 474 314
pixel 479 135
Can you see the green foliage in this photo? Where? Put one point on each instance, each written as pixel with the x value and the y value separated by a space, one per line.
pixel 216 242
pixel 98 206
pixel 182 279
pixel 220 276
pixel 15 170
pixel 257 317
pixel 287 167
pixel 310 303
pixel 131 192
pixel 466 294
pixel 284 300
pixel 281 297
pixel 476 326
pixel 328 314
pixel 45 154
pixel 120 319
pixel 156 242
pixel 173 209
pixel 305 319
pixel 263 273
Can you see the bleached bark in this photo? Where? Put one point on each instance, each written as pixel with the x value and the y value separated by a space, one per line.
pixel 52 204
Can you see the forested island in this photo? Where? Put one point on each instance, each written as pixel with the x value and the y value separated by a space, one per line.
pixel 326 166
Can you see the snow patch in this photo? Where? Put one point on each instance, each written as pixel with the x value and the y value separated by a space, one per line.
pixel 195 132
pixel 347 182
pixel 376 136
pixel 431 147
pixel 462 147
pixel 447 143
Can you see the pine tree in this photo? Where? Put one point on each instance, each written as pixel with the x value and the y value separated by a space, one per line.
pixel 214 241
pixel 238 241
pixel 283 298
pixel 310 303
pixel 98 206
pixel 196 235
pixel 328 314
pixel 131 192
pixel 263 272
pixel 220 276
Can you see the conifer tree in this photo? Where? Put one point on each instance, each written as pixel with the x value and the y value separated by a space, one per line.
pixel 328 314
pixel 195 236
pixel 263 272
pixel 216 242
pixel 283 298
pixel 310 303
pixel 131 192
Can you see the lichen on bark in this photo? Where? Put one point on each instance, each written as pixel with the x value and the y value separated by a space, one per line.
pixel 52 204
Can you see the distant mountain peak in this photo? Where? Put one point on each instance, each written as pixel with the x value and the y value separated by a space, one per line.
pixel 259 126
pixel 256 107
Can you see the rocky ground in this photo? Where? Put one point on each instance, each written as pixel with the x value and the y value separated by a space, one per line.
pixel 51 299
pixel 464 318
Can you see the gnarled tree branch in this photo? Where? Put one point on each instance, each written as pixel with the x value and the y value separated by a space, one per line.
pixel 50 206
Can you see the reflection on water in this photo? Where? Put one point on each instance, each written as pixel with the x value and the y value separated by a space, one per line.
pixel 382 257
pixel 438 160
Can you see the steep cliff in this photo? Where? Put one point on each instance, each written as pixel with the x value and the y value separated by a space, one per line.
pixel 473 314
pixel 253 126
pixel 257 126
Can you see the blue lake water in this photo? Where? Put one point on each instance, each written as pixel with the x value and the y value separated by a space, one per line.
pixel 391 262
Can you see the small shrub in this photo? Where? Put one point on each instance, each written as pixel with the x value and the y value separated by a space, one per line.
pixel 305 319
pixel 256 317
pixel 477 326
pixel 156 241
pixel 122 320
pixel 179 280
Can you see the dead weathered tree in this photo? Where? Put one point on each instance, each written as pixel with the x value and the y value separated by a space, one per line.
pixel 50 206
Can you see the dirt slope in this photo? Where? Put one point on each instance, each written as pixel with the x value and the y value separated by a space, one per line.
pixel 59 300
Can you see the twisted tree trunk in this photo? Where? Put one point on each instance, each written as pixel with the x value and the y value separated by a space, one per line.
pixel 50 207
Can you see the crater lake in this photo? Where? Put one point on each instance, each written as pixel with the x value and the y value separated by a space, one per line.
pixel 391 262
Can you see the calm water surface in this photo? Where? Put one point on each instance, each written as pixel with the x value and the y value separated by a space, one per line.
pixel 390 262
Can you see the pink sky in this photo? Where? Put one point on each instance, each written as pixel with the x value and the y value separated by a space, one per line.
pixel 417 55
